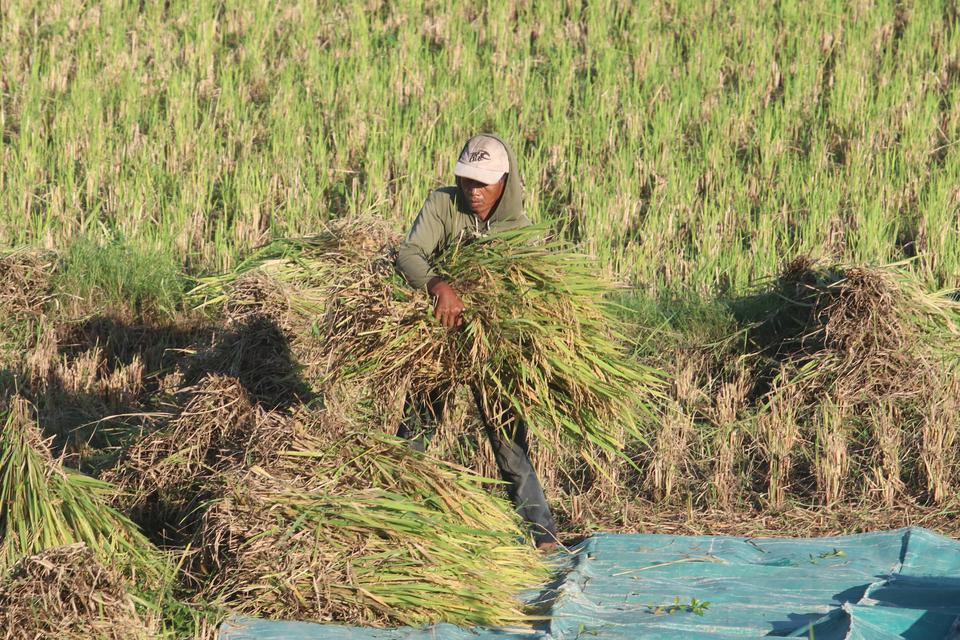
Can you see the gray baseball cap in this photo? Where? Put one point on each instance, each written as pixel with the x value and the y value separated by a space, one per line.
pixel 484 159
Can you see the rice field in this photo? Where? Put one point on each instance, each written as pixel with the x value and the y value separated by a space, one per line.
pixel 690 145
pixel 744 322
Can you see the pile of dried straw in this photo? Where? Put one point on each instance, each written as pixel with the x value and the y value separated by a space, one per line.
pixel 366 531
pixel 67 592
pixel 290 519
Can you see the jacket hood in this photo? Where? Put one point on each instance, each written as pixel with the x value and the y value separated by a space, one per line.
pixel 510 207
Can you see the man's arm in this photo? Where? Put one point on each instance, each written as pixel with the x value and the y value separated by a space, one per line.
pixel 413 258
pixel 413 263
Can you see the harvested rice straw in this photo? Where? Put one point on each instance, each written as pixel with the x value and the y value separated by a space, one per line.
pixel 67 593
pixel 540 339
pixel 217 429
pixel 43 505
pixel 366 531
pixel 307 266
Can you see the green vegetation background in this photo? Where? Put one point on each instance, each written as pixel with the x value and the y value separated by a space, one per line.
pixel 692 145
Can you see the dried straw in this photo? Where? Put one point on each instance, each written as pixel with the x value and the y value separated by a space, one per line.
pixel 860 355
pixel 25 281
pixel 68 593
pixel 365 531
pixel 163 475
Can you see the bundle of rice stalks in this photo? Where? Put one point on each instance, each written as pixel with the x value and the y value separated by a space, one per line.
pixel 367 532
pixel 292 276
pixel 359 461
pixel 25 281
pixel 541 338
pixel 68 593
pixel 864 332
pixel 541 341
pixel 43 505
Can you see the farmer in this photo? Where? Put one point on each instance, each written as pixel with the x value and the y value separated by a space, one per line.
pixel 487 198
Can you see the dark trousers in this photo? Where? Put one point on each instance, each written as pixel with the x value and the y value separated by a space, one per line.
pixel 508 437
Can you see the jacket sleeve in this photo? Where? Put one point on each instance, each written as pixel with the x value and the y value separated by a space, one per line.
pixel 413 258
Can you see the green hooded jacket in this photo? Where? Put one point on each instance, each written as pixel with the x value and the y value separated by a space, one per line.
pixel 445 218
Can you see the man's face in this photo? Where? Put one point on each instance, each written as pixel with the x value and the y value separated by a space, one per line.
pixel 481 198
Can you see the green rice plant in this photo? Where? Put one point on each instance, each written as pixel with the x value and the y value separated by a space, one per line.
pixel 44 505
pixel 364 530
pixel 688 146
pixel 120 275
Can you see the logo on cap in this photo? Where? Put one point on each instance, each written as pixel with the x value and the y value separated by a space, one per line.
pixel 478 156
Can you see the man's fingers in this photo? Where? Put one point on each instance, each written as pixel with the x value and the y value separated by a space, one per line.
pixel 449 316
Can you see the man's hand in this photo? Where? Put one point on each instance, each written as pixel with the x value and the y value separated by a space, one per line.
pixel 449 307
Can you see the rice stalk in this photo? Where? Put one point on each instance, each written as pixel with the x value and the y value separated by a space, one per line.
pixel 832 457
pixel 728 444
pixel 779 431
pixel 884 421
pixel 44 505
pixel 670 452
pixel 938 442
pixel 728 438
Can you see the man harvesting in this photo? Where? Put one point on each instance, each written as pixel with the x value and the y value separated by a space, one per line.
pixel 488 197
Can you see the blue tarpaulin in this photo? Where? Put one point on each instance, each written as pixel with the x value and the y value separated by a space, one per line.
pixel 895 584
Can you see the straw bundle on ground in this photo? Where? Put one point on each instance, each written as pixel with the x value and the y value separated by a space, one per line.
pixel 68 593
pixel 365 531
pixel 868 333
pixel 43 505
pixel 163 474
pixel 289 279
pixel 289 521
pixel 859 356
